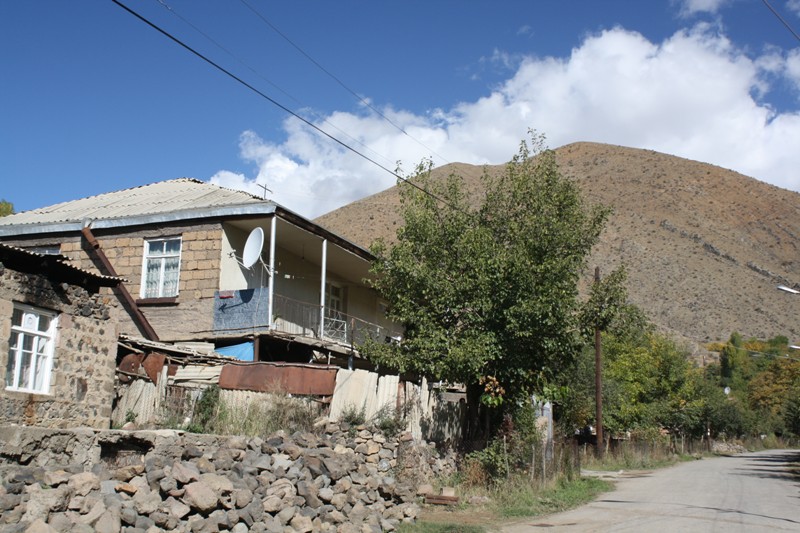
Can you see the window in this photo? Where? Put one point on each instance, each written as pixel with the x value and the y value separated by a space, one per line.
pixel 335 319
pixel 30 349
pixel 162 266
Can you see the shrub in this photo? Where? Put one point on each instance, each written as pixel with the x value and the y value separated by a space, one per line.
pixel 353 415
pixel 259 414
pixel 489 464
pixel 390 420
pixel 205 410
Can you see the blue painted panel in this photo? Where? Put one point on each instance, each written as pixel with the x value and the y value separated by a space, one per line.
pixel 241 310
pixel 243 351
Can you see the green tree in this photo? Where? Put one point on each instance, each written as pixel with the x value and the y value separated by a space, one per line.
pixel 488 294
pixel 649 383
pixel 6 208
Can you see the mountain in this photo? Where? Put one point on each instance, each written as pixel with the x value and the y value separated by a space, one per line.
pixel 705 247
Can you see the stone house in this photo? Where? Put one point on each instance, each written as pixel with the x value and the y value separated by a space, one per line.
pixel 297 293
pixel 58 341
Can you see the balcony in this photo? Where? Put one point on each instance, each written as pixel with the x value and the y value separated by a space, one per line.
pixel 302 318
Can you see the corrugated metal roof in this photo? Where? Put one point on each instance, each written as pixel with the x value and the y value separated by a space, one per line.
pixel 183 194
pixel 14 257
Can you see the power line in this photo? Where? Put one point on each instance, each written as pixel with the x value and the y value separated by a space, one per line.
pixel 279 105
pixel 337 80
pixel 254 71
pixel 783 21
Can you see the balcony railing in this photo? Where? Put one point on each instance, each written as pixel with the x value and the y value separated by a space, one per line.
pixel 303 318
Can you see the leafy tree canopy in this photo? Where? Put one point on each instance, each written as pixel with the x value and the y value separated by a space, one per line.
pixel 6 208
pixel 488 294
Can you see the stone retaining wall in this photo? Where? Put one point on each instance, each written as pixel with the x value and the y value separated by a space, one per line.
pixel 147 481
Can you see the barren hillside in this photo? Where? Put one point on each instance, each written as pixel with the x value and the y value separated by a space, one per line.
pixel 705 247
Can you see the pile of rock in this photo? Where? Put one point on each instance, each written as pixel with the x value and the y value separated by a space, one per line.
pixel 155 481
pixel 727 448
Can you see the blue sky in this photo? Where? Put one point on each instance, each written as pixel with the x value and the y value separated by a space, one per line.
pixel 94 100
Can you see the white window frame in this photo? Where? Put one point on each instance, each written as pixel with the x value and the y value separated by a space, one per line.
pixel 334 303
pixel 41 350
pixel 335 325
pixel 161 257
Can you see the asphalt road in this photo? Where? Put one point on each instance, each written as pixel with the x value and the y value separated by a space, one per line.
pixel 748 492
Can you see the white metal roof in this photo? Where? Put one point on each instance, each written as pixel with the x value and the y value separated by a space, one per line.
pixel 178 195
pixel 163 202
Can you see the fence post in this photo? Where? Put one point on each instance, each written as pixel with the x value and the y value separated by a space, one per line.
pixel 544 465
pixel 533 459
pixel 505 455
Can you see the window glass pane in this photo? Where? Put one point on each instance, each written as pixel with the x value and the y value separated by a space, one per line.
pixel 12 357
pixel 30 321
pixel 25 367
pixel 44 323
pixel 41 345
pixel 16 317
pixel 171 271
pixel 152 278
pixel 40 372
pixel 172 247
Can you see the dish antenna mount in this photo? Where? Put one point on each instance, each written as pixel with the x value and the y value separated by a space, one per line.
pixel 253 247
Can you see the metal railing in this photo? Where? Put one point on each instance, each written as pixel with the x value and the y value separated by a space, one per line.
pixel 303 318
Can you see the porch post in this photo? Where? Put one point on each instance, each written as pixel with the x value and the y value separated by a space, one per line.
pixel 271 286
pixel 322 287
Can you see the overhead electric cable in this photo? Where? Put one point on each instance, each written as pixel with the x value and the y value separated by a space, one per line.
pixel 279 105
pixel 337 80
pixel 783 21
pixel 278 88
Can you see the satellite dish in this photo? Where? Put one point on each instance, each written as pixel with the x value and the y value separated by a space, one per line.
pixel 252 248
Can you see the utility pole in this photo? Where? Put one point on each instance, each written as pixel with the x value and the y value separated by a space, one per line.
pixel 598 380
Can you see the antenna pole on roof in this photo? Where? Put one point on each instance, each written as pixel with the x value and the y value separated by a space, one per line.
pixel 264 196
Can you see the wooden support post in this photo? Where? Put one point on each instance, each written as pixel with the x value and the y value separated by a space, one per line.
pixel 598 381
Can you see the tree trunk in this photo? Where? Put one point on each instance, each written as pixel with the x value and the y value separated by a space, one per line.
pixel 472 430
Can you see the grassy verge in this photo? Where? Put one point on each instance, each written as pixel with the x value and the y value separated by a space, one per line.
pixel 436 527
pixel 513 499
pixel 517 501
pixel 634 461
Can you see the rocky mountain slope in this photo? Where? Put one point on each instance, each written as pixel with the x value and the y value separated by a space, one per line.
pixel 705 247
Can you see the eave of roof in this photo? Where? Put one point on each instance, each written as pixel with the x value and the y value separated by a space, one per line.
pixel 52 264
pixel 156 204
pixel 266 208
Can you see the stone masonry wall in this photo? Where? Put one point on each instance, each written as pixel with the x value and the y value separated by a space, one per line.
pixel 82 382
pixel 201 247
pixel 135 482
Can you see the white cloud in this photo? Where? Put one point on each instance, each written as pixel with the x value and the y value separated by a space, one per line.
pixel 691 7
pixel 793 6
pixel 793 67
pixel 694 95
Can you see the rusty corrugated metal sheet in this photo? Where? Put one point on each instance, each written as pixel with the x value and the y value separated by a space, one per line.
pixel 130 364
pixel 152 364
pixel 275 377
